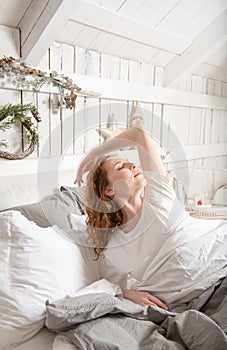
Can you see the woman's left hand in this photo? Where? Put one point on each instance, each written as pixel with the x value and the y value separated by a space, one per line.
pixel 143 298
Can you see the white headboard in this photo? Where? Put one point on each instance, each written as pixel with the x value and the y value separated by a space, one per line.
pixel 25 189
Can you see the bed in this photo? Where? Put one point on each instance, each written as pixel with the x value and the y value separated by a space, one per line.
pixel 52 295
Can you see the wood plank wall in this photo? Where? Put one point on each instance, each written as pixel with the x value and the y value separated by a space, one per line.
pixel 63 133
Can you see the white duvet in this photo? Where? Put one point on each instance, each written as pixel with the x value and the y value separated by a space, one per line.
pixel 176 267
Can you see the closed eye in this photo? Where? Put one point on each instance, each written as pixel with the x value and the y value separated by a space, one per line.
pixel 120 164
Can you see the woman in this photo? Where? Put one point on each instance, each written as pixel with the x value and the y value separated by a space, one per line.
pixel 151 247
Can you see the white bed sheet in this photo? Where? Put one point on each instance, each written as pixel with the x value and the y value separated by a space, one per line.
pixel 63 343
pixel 42 341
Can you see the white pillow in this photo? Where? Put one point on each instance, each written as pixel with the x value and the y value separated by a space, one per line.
pixel 77 222
pixel 35 264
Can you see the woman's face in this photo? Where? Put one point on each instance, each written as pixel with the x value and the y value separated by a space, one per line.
pixel 123 174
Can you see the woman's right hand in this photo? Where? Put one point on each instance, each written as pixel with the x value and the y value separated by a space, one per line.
pixel 86 165
pixel 143 298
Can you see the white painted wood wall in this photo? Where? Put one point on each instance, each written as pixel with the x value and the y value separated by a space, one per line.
pixel 192 111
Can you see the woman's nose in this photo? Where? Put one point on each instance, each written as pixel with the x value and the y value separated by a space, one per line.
pixel 131 165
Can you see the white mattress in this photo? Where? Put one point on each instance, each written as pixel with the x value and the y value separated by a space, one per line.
pixel 41 341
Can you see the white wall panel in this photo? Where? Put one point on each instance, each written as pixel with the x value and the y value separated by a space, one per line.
pixel 11 45
pixel 64 132
pixel 214 87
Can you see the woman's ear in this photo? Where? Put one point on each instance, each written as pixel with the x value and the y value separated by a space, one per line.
pixel 109 192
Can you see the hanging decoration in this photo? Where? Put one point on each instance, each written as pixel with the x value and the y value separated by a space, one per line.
pixel 19 114
pixel 25 77
pixel 136 116
pixel 111 128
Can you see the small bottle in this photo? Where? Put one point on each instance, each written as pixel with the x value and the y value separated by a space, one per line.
pixel 200 199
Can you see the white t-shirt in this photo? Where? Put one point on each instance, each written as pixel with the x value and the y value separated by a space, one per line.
pixel 168 253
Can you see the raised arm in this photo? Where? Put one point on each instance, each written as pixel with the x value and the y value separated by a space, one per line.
pixel 134 136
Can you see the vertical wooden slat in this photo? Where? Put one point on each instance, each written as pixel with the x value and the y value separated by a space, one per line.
pixel 158 76
pixel 215 130
pixel 222 137
pixel 185 84
pixel 78 131
pixel 79 61
pixel 182 125
pixel 29 97
pixel 90 114
pixel 67 59
pixel 91 63
pixel 214 87
pixel 114 68
pixel 123 74
pixel 208 125
pixel 147 110
pixel 43 126
pixel 104 105
pixel 157 121
pixel 13 135
pixel 224 90
pixel 55 118
pixel 134 68
pixel 67 115
pixel 91 123
pixel 198 84
pixel 43 106
pixel 55 57
pixel 208 162
pixel 223 127
pixel 67 131
pixel 105 66
pixel 118 108
pixel 195 125
pixel 165 126
pixel 105 110
pixel 145 74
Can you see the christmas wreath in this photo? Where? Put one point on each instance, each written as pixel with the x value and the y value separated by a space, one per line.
pixel 19 114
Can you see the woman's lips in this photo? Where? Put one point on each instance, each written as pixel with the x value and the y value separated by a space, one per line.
pixel 137 174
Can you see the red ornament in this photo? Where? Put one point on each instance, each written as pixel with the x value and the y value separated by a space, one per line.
pixel 199 202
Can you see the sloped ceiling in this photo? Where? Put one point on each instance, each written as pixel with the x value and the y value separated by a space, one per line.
pixel 183 36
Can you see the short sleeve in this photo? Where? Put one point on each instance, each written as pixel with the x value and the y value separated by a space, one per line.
pixel 160 194
pixel 159 185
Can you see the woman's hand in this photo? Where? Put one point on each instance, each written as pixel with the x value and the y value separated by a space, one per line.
pixel 143 298
pixel 86 165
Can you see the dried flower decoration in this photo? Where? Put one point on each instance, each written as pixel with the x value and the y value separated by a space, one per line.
pixel 25 77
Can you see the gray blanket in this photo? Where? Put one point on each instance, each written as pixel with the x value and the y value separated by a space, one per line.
pixel 104 322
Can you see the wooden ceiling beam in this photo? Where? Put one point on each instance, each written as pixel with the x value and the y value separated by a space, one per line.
pixel 41 25
pixel 110 22
pixel 209 40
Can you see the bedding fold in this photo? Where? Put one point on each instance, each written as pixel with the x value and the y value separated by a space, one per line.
pixel 104 321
